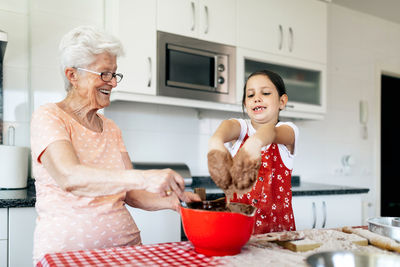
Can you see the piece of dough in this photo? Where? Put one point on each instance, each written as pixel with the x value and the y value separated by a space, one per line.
pixel 375 239
pixel 244 170
pixel 219 164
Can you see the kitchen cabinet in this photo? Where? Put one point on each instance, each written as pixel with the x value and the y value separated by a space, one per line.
pixel 157 226
pixel 21 223
pixel 327 211
pixel 292 28
pixel 134 23
pixel 3 237
pixel 305 81
pixel 209 20
pixel 16 236
pixel 3 253
pixel 3 223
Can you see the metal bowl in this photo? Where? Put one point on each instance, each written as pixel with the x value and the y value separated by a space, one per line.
pixel 351 259
pixel 385 226
pixel 396 221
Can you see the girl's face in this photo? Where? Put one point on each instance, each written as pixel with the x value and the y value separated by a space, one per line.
pixel 262 101
pixel 93 91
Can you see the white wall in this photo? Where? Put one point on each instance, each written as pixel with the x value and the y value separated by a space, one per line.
pixel 14 21
pixel 358 43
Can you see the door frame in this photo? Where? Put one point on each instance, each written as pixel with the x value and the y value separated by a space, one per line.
pixel 389 70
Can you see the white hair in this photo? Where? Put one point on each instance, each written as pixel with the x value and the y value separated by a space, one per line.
pixel 79 47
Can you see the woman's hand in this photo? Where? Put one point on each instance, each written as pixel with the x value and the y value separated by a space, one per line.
pixel 189 196
pixel 164 182
pixel 246 164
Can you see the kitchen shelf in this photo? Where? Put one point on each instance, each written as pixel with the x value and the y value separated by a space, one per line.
pixel 201 105
pixel 299 83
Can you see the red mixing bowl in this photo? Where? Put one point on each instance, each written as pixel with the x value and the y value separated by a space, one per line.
pixel 217 233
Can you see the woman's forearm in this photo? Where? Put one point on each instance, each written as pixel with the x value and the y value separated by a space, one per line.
pixel 62 164
pixel 147 201
pixel 87 181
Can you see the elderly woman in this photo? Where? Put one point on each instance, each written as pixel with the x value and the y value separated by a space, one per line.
pixel 83 173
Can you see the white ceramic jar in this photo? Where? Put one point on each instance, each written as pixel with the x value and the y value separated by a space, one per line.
pixel 13 167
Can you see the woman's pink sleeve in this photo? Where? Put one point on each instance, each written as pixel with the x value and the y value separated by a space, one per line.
pixel 46 128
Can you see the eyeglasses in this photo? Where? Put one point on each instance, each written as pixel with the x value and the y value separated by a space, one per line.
pixel 106 76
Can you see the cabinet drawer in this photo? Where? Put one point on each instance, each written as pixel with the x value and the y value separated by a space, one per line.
pixel 3 223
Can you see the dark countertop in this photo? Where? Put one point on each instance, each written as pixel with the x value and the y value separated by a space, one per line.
pixel 18 198
pixel 313 189
pixel 298 188
pixel 27 197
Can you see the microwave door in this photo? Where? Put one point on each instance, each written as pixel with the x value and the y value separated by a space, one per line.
pixel 190 68
pixel 190 86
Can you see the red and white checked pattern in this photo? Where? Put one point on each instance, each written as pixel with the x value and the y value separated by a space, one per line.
pixel 167 254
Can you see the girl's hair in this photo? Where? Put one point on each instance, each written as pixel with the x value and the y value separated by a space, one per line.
pixel 79 47
pixel 275 79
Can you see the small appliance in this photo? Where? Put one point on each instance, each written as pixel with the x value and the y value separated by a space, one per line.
pixel 195 69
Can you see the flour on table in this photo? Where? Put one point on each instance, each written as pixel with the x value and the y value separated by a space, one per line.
pixel 271 254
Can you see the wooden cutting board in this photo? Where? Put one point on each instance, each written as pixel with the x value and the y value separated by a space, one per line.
pixel 299 245
pixel 307 244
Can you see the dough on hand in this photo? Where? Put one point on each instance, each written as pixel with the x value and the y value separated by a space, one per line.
pixel 219 164
pixel 244 170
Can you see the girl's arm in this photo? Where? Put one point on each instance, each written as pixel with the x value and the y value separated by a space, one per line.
pixel 219 158
pixel 247 161
pixel 285 135
pixel 61 162
pixel 227 131
pixel 268 134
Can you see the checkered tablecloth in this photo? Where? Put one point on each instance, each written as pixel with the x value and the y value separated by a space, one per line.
pixel 167 254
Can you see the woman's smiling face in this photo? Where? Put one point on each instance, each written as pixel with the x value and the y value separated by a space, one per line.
pixel 262 101
pixel 91 88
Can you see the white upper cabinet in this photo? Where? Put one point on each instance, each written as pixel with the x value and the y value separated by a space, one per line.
pixel 209 20
pixel 305 81
pixel 134 23
pixel 285 27
pixel 218 21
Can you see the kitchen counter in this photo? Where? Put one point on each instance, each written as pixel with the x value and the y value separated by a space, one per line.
pixel 27 197
pixel 298 188
pixel 18 198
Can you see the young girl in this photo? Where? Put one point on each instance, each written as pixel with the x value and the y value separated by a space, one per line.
pixel 263 150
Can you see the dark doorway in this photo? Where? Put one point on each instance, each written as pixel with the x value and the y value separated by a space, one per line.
pixel 390 147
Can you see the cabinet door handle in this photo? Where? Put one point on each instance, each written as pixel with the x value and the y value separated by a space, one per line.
pixel 193 16
pixel 149 72
pixel 324 212
pixel 291 36
pixel 280 37
pixel 314 209
pixel 206 19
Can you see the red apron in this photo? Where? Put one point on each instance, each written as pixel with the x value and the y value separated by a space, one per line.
pixel 271 194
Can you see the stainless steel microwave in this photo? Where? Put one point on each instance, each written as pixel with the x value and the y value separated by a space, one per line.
pixel 195 69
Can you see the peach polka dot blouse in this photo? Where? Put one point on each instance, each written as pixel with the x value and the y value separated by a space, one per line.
pixel 66 221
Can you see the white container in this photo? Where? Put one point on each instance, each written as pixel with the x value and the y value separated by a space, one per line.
pixel 13 167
